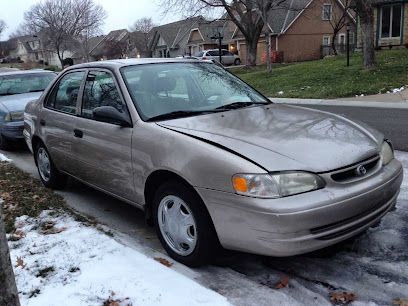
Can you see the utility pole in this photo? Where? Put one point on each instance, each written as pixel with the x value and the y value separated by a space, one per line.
pixel 348 44
pixel 8 288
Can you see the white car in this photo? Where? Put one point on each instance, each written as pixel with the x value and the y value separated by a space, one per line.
pixel 227 58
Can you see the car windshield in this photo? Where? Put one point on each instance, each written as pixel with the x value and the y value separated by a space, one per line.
pixel 24 83
pixel 184 89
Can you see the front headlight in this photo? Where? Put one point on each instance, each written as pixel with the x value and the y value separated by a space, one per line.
pixel 276 185
pixel 387 153
pixel 14 116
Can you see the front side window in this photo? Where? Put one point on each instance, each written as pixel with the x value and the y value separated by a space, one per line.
pixel 327 12
pixel 391 21
pixel 24 83
pixel 64 96
pixel 166 88
pixel 100 90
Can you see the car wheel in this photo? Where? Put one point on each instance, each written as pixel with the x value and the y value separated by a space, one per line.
pixel 4 143
pixel 49 174
pixel 184 225
pixel 237 62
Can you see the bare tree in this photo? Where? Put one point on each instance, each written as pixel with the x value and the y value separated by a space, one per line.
pixel 339 20
pixel 244 13
pixel 3 26
pixel 264 12
pixel 365 12
pixel 144 26
pixel 64 21
pixel 8 288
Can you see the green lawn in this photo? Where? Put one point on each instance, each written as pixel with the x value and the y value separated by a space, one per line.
pixel 330 77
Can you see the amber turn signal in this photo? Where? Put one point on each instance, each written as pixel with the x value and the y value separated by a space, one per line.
pixel 240 184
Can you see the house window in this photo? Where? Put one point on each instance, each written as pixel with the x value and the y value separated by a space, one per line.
pixel 326 40
pixel 391 16
pixel 342 39
pixel 327 12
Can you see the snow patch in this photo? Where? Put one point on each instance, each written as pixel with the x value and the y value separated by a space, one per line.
pixel 396 90
pixel 82 266
pixel 280 93
pixel 4 158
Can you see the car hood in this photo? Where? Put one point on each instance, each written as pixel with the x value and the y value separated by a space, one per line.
pixel 14 103
pixel 280 137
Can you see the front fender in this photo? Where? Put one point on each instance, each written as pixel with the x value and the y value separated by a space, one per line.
pixel 201 164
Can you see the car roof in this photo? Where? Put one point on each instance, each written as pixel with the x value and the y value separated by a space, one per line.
pixel 118 63
pixel 24 72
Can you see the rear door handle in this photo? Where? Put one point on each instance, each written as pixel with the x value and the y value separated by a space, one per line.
pixel 42 122
pixel 78 133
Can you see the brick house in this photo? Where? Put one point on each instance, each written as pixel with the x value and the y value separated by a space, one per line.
pixel 390 24
pixel 299 29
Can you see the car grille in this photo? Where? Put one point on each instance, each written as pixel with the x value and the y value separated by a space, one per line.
pixel 351 173
pixel 11 128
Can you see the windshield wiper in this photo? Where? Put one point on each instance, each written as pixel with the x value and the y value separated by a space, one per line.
pixel 36 90
pixel 236 105
pixel 179 114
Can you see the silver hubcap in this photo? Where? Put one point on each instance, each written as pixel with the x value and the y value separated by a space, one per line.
pixel 177 225
pixel 43 162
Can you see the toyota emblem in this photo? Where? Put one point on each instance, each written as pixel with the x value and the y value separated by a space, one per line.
pixel 361 170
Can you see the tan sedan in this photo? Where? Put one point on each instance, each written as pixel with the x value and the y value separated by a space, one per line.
pixel 210 160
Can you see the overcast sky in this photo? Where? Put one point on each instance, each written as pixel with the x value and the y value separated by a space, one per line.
pixel 121 13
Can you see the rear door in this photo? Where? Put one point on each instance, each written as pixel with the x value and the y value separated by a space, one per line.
pixel 57 119
pixel 103 149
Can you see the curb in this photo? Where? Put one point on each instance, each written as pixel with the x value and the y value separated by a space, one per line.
pixel 398 105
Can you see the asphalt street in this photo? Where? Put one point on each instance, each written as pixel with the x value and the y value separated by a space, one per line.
pixel 393 122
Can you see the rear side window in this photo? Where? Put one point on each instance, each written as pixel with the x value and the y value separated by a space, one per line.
pixel 100 90
pixel 64 96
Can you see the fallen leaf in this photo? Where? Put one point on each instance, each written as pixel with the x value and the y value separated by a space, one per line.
pixel 48 228
pixel 20 263
pixel 400 302
pixel 282 283
pixel 17 235
pixel 342 298
pixel 163 261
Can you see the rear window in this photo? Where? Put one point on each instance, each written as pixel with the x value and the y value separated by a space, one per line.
pixel 24 83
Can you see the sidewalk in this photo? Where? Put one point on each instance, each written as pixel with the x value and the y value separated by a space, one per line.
pixel 389 100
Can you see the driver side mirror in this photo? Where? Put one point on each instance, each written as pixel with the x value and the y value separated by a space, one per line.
pixel 110 114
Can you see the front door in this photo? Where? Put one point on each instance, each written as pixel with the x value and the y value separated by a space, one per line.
pixel 103 149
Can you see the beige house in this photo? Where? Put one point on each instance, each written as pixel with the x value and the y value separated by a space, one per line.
pixel 30 48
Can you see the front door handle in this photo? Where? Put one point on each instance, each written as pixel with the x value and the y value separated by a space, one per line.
pixel 42 122
pixel 78 133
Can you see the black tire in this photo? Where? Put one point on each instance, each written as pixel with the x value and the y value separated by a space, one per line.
pixel 237 62
pixel 207 245
pixel 4 143
pixel 56 180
